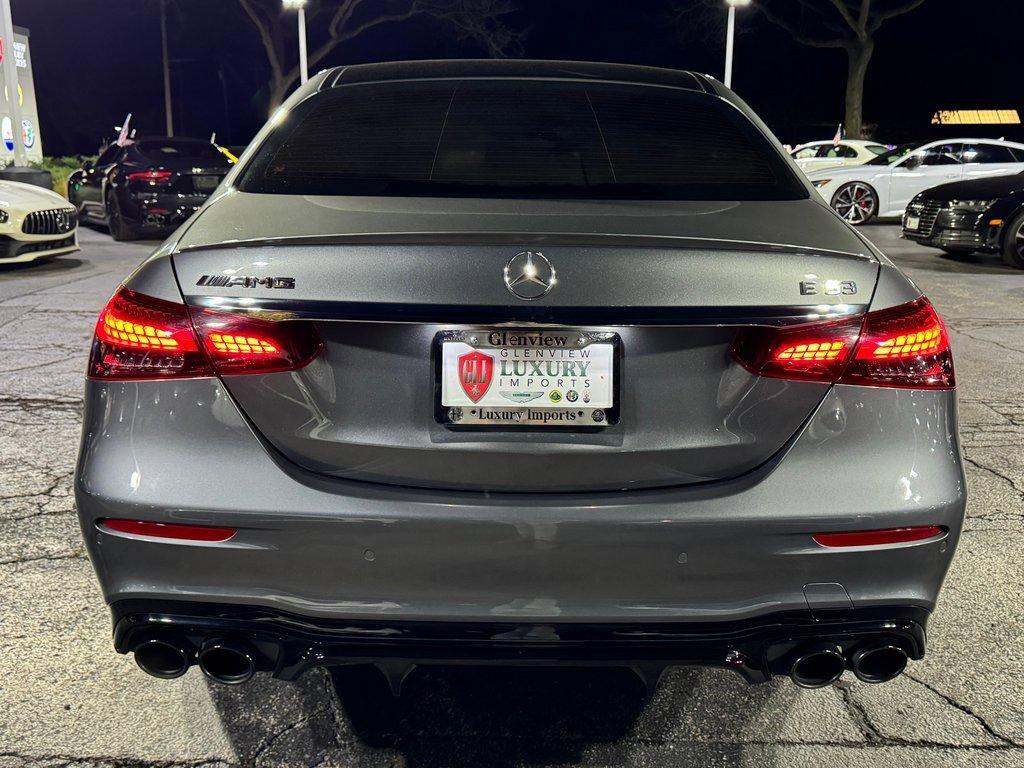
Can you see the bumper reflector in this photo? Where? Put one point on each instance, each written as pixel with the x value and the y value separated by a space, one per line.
pixel 878 537
pixel 167 530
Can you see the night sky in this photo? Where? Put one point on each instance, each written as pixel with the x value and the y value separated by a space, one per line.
pixel 95 60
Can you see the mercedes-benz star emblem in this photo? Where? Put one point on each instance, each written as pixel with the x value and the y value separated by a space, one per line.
pixel 529 275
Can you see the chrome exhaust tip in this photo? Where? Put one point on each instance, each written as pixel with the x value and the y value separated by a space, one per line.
pixel 227 662
pixel 163 658
pixel 879 661
pixel 817 665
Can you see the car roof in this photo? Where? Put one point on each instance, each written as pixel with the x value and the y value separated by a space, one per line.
pixel 515 68
pixel 851 142
pixel 183 139
pixel 976 140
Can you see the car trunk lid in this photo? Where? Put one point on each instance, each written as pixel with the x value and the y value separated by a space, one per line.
pixel 368 408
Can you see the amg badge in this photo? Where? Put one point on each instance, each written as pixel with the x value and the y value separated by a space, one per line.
pixel 241 281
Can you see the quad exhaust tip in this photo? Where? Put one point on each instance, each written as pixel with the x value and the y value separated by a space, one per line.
pixel 817 665
pixel 163 658
pixel 227 662
pixel 879 661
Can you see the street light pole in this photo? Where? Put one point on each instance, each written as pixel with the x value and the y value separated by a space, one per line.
pixel 730 33
pixel 167 69
pixel 300 6
pixel 303 69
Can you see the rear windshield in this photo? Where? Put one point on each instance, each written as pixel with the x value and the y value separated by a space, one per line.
pixel 520 138
pixel 170 149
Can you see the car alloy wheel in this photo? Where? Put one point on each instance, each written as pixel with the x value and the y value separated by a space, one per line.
pixel 119 229
pixel 855 202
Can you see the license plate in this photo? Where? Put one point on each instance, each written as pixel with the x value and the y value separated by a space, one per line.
pixel 205 183
pixel 913 222
pixel 509 378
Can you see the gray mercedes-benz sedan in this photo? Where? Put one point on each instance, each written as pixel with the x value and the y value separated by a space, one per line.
pixel 519 363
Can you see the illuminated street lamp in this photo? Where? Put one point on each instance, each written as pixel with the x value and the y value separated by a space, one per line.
pixel 300 6
pixel 729 34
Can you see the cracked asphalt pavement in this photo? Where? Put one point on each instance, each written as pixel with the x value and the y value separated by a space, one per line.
pixel 66 699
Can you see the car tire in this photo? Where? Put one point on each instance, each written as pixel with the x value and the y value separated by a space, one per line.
pixel 120 230
pixel 1013 242
pixel 856 202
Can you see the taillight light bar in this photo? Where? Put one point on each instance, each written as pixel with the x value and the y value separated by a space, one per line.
pixel 878 537
pixel 142 337
pixel 905 346
pixel 153 177
pixel 181 531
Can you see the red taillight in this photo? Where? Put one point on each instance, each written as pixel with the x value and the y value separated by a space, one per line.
pixel 167 530
pixel 141 337
pixel 155 178
pixel 239 344
pixel 878 537
pixel 905 346
pixel 813 352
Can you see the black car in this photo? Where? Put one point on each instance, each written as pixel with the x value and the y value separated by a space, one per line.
pixel 147 187
pixel 967 216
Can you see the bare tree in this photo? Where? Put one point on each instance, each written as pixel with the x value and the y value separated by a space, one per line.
pixel 479 21
pixel 847 24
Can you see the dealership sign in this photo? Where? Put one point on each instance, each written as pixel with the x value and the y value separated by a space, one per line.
pixel 25 90
pixel 976 117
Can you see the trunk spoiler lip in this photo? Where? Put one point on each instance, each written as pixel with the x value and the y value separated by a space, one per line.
pixel 532 315
pixel 525 239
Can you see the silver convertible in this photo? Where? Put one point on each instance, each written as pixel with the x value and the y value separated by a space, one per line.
pixel 519 362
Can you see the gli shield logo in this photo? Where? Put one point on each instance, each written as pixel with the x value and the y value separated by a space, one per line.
pixel 475 371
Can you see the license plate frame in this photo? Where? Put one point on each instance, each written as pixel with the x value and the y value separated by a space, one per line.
pixel 587 420
pixel 913 223
pixel 206 182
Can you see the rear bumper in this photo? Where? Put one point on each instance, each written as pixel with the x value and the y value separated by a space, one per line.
pixel 327 549
pixel 160 212
pixel 286 645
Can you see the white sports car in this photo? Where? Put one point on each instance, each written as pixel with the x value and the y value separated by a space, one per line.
pixel 35 223
pixel 884 186
pixel 815 155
